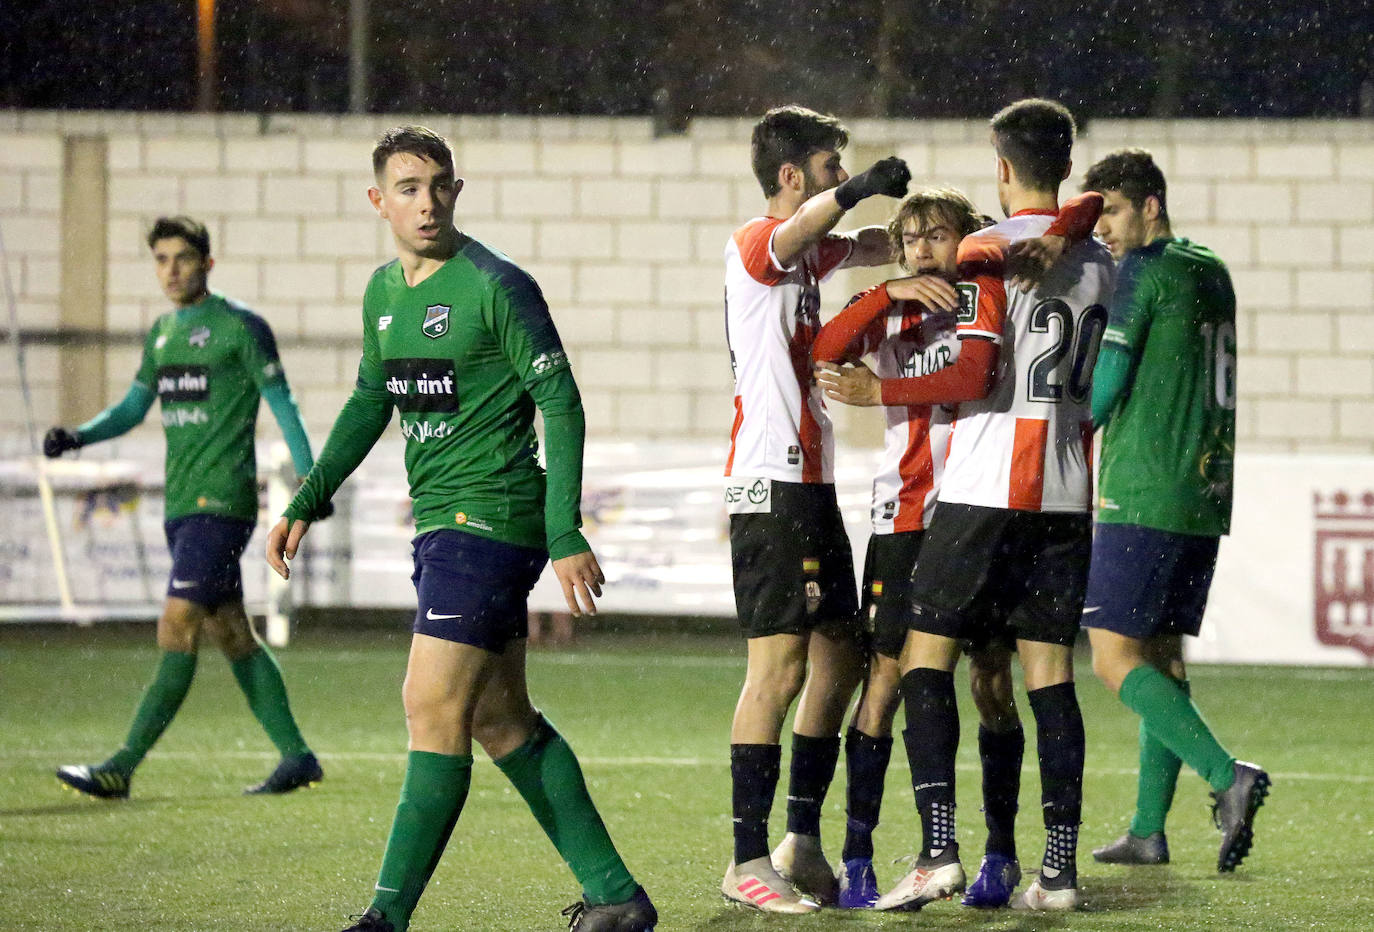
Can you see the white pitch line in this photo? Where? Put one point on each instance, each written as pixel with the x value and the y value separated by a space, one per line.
pixel 394 757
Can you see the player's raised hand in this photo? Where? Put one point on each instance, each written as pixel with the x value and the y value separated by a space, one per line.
pixel 59 440
pixel 282 543
pixel 581 578
pixel 1029 259
pixel 933 291
pixel 888 176
pixel 851 385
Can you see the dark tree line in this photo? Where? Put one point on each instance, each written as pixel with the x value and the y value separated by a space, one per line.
pixel 679 58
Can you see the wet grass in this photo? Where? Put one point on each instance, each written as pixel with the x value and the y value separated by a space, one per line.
pixel 649 717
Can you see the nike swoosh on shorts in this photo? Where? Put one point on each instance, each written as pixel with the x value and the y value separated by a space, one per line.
pixel 433 617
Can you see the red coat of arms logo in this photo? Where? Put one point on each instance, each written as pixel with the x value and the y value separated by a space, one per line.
pixel 1343 577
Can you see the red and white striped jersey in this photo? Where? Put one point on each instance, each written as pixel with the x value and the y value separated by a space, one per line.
pixel 916 440
pixel 902 340
pixel 772 315
pixel 1028 444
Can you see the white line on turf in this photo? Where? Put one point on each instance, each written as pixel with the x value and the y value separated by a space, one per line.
pixel 594 761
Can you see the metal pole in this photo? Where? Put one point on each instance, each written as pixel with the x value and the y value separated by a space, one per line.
pixel 357 56
pixel 206 97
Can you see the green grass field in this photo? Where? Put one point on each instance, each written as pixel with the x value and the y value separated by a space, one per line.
pixel 649 718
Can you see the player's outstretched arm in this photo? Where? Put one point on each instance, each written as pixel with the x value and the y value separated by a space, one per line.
pixel 818 215
pixel 581 578
pixel 282 543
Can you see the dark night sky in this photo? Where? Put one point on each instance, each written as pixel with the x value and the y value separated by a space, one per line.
pixel 1230 58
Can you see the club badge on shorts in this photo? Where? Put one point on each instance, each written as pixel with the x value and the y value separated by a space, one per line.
pixel 811 566
pixel 436 321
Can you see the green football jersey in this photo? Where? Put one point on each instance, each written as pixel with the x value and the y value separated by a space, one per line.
pixel 208 364
pixel 465 357
pixel 1168 448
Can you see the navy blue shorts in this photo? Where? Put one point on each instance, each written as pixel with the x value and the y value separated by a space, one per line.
pixel 474 590
pixel 1145 582
pixel 205 558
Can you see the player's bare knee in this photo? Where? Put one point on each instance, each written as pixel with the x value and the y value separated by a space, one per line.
pixel 179 626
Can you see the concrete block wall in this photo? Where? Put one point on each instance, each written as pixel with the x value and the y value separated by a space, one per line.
pixel 625 233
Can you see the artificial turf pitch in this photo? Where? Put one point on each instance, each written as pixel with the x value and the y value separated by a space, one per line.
pixel 649 718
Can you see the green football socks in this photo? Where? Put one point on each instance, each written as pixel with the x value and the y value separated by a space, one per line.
pixel 260 679
pixel 156 709
pixel 546 773
pixel 432 796
pixel 1155 785
pixel 1169 715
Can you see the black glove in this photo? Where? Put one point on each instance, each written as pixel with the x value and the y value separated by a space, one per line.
pixel 888 176
pixel 58 441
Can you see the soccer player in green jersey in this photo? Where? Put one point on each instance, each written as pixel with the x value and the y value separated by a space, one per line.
pixel 458 339
pixel 207 362
pixel 1164 391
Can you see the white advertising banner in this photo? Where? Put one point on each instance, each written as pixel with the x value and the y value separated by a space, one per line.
pixel 1295 578
pixel 1294 582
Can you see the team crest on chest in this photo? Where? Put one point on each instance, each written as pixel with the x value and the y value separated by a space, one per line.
pixel 436 321
pixel 199 337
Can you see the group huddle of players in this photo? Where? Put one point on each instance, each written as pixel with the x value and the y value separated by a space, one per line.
pixel 995 360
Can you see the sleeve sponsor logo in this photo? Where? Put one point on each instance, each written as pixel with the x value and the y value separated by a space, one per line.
pixel 422 386
pixel 383 322
pixel 968 302
pixel 183 384
pixel 436 321
pixel 547 362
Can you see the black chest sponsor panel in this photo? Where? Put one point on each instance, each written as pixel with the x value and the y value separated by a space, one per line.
pixel 422 386
pixel 181 384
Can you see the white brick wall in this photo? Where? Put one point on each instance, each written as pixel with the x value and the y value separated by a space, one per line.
pixel 624 233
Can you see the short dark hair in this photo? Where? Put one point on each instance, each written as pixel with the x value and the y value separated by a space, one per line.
pixel 1133 173
pixel 187 228
pixel 1036 137
pixel 415 140
pixel 791 134
pixel 947 205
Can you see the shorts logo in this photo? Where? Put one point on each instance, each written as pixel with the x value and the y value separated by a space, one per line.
pixel 436 321
pixel 199 337
pixel 1343 577
pixel 968 302
pixel 183 583
pixel 813 596
pixel 432 616
pixel 749 497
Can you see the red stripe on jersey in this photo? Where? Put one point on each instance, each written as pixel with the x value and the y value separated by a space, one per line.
pixel 752 241
pixel 734 432
pixel 918 473
pixel 1027 487
pixel 799 348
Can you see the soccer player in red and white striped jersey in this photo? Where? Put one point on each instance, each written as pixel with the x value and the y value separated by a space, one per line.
pixel 793 571
pixel 1009 544
pixel 901 329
